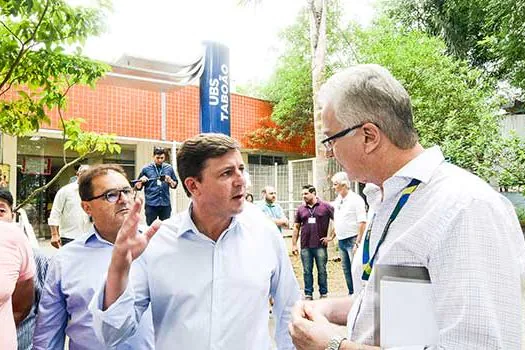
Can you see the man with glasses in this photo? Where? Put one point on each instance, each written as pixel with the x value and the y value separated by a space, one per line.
pixel 78 269
pixel 208 272
pixel 432 214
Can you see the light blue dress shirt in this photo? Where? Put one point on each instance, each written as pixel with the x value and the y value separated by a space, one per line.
pixel 205 294
pixel 73 276
pixel 274 211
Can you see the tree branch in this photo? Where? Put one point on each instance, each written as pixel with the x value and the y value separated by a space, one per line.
pixel 23 49
pixel 62 121
pixel 13 34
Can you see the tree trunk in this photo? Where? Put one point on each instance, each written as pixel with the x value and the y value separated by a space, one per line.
pixel 318 49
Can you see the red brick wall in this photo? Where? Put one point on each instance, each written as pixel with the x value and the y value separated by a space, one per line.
pixel 134 112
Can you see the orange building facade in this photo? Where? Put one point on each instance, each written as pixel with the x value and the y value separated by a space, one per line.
pixel 141 115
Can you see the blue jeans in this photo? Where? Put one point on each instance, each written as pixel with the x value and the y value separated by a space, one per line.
pixel 321 257
pixel 345 250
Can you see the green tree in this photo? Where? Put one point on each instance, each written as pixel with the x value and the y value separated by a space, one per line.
pixel 511 174
pixel 36 73
pixel 317 13
pixel 487 33
pixel 290 86
pixel 453 104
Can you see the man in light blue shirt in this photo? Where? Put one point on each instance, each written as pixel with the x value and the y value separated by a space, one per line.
pixel 78 268
pixel 272 209
pixel 208 272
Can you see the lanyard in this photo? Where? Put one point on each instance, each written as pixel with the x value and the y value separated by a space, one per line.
pixel 312 212
pixel 159 172
pixel 367 262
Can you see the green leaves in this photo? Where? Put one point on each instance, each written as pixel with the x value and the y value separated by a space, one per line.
pixel 487 33
pixel 290 87
pixel 453 104
pixel 36 74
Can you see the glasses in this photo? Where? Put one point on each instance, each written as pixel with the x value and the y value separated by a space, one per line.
pixel 113 195
pixel 329 141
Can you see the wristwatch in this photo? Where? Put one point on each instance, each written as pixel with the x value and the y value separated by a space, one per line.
pixel 335 342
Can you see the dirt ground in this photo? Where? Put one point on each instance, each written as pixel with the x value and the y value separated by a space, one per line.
pixel 336 279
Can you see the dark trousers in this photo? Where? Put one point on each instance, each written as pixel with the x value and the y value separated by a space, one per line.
pixel 320 256
pixel 153 212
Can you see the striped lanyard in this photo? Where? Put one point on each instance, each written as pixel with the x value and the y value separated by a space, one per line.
pixel 368 263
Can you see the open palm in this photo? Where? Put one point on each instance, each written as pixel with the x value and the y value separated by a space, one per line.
pixel 129 243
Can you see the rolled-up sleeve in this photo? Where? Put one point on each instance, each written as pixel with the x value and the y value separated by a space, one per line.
pixel 121 320
pixel 56 209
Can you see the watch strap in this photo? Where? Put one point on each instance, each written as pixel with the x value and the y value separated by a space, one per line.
pixel 335 342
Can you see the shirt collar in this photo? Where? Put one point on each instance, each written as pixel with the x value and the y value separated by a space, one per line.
pixel 188 226
pixel 423 166
pixel 94 239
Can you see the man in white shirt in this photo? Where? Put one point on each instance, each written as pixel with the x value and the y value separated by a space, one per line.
pixel 432 214
pixel 349 223
pixel 67 219
pixel 208 272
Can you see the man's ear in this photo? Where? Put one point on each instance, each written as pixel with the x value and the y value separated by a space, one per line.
pixel 192 184
pixel 87 207
pixel 372 137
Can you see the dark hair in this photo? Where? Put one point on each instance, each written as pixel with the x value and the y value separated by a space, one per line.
pixel 249 195
pixel 158 151
pixel 310 188
pixel 194 152
pixel 85 181
pixel 6 196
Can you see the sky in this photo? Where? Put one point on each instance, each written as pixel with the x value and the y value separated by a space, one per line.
pixel 172 31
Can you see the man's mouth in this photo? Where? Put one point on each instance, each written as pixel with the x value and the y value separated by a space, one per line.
pixel 123 210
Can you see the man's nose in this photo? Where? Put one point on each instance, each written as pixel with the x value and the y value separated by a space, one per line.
pixel 240 179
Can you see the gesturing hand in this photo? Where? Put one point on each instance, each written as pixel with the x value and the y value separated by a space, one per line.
pixel 130 244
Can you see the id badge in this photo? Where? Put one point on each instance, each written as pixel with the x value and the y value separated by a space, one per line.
pixel 311 220
pixel 159 183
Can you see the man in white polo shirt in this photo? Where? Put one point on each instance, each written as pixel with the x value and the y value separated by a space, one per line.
pixel 67 220
pixel 349 223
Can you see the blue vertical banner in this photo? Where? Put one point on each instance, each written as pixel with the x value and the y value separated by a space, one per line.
pixel 215 99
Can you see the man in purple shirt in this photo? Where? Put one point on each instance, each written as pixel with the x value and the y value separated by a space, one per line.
pixel 312 220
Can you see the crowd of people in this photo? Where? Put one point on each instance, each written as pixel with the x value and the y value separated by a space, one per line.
pixel 202 278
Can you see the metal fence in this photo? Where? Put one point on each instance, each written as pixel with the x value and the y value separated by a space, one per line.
pixel 288 180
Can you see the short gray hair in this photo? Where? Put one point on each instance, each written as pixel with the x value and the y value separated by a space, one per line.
pixel 369 93
pixel 341 178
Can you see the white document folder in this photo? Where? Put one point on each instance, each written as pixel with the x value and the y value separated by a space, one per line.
pixel 404 309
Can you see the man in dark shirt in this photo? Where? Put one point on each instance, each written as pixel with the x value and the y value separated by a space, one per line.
pixel 312 220
pixel 157 178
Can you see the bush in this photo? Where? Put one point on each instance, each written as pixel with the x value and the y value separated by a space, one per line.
pixel 521 215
